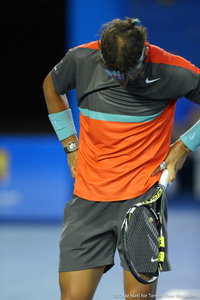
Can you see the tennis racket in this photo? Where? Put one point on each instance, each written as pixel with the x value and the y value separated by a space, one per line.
pixel 143 243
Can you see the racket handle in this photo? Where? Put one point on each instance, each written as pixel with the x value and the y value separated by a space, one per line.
pixel 164 178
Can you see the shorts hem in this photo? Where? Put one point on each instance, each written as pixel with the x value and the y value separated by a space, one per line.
pixel 108 266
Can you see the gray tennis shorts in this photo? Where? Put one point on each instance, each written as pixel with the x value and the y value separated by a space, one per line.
pixel 92 231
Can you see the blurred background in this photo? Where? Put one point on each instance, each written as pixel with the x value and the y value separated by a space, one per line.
pixel 35 182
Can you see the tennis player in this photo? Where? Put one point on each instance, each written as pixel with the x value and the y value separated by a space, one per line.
pixel 126 92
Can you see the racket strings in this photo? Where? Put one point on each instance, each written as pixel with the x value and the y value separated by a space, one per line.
pixel 142 242
pixel 153 245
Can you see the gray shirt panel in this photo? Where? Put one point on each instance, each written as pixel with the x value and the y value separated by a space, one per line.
pixel 146 95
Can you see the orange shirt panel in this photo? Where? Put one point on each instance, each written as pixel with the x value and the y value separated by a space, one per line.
pixel 116 160
pixel 158 55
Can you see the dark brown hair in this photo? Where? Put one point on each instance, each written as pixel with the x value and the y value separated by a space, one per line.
pixel 121 44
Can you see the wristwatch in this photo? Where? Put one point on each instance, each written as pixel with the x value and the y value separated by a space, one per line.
pixel 71 147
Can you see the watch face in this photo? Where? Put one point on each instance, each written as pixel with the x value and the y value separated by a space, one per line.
pixel 72 146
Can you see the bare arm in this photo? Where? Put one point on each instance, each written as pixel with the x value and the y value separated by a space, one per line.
pixel 57 103
pixel 175 159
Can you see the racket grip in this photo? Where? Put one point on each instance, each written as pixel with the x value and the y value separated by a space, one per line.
pixel 164 178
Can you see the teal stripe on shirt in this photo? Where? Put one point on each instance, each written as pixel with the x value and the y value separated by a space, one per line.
pixel 116 118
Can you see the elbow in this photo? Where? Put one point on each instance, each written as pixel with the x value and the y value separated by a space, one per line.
pixel 48 86
pixel 46 82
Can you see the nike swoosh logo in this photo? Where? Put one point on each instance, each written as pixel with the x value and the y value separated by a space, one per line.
pixel 153 259
pixel 56 124
pixel 151 81
pixel 192 137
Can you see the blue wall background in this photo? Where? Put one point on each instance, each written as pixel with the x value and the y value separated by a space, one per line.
pixel 35 182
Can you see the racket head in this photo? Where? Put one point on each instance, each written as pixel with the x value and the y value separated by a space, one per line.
pixel 140 243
